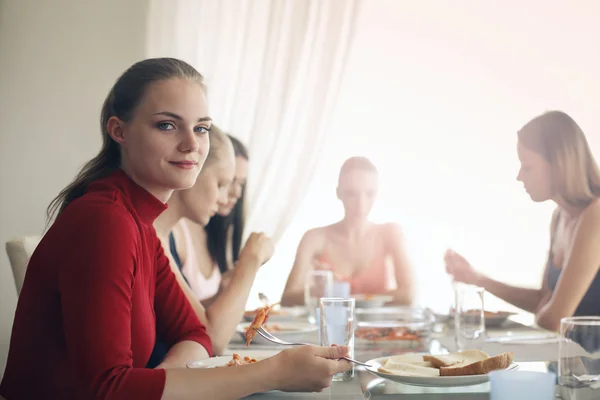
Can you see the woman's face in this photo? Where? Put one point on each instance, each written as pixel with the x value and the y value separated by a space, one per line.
pixel 237 186
pixel 357 190
pixel 165 143
pixel 210 192
pixel 535 174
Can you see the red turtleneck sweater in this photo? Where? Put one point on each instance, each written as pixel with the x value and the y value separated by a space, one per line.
pixel 95 288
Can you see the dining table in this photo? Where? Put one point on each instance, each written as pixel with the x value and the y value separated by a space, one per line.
pixel 534 350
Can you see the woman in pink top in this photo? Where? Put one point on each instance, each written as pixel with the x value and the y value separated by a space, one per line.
pixel 370 256
pixel 218 244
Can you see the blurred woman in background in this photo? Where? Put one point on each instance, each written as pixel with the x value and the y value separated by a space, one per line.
pixel 556 165
pixel 218 244
pixel 198 205
pixel 370 257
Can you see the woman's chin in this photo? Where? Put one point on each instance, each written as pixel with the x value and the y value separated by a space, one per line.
pixel 224 212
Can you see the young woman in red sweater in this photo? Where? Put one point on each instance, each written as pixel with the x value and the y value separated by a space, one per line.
pixel 99 283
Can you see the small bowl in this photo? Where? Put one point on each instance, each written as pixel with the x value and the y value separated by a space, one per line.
pixel 371 300
pixel 393 321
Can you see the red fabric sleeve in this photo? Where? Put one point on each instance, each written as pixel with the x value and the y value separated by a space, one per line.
pixel 95 285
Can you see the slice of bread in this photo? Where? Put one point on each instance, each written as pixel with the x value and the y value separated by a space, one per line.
pixel 408 369
pixel 479 367
pixel 462 357
pixel 410 358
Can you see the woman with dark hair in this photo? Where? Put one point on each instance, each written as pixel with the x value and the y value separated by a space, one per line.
pixel 225 230
pixel 217 245
pixel 194 207
pixel 99 282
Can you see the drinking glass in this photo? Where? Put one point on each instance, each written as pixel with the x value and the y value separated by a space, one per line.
pixel 341 289
pixel 579 358
pixel 337 327
pixel 318 284
pixel 469 318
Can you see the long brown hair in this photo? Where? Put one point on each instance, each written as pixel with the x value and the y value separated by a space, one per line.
pixel 122 100
pixel 559 139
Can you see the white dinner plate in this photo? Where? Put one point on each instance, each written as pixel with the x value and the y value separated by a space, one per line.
pixel 431 381
pixel 221 361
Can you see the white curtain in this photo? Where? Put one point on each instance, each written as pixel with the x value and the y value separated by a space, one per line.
pixel 273 69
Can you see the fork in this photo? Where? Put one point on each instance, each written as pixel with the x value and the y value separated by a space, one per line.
pixel 268 336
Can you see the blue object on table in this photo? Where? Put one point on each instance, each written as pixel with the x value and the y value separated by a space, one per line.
pixel 522 385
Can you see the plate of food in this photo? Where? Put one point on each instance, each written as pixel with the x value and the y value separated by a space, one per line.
pixel 224 361
pixel 386 334
pixel 288 331
pixel 279 314
pixel 371 300
pixel 234 360
pixel 493 319
pixel 466 368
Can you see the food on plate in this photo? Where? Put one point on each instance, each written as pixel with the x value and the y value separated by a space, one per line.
pixel 448 360
pixel 409 365
pixel 252 313
pixel 262 315
pixel 366 296
pixel 480 367
pixel 469 362
pixel 237 360
pixel 385 333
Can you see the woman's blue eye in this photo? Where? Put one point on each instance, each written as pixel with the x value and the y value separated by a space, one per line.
pixel 202 129
pixel 165 126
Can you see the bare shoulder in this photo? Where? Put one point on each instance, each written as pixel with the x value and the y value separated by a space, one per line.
pixel 180 242
pixel 589 220
pixel 592 211
pixel 390 230
pixel 314 238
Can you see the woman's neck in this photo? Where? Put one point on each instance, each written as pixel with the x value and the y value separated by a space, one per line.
pixel 571 211
pixel 354 228
pixel 160 193
pixel 169 218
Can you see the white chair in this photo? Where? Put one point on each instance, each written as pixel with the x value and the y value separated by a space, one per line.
pixel 19 252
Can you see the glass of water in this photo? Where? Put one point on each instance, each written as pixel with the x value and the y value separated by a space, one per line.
pixel 469 317
pixel 579 358
pixel 318 284
pixel 337 327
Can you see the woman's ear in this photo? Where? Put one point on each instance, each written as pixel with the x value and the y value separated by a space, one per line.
pixel 116 130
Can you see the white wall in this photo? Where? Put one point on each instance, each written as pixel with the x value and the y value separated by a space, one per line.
pixel 58 60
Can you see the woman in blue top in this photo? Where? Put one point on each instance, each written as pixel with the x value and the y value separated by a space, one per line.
pixel 556 165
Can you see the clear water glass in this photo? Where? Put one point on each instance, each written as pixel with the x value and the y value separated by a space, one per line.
pixel 579 358
pixel 522 385
pixel 469 317
pixel 341 289
pixel 318 284
pixel 337 327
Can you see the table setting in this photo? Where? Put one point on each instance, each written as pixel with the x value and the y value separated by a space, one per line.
pixel 392 348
